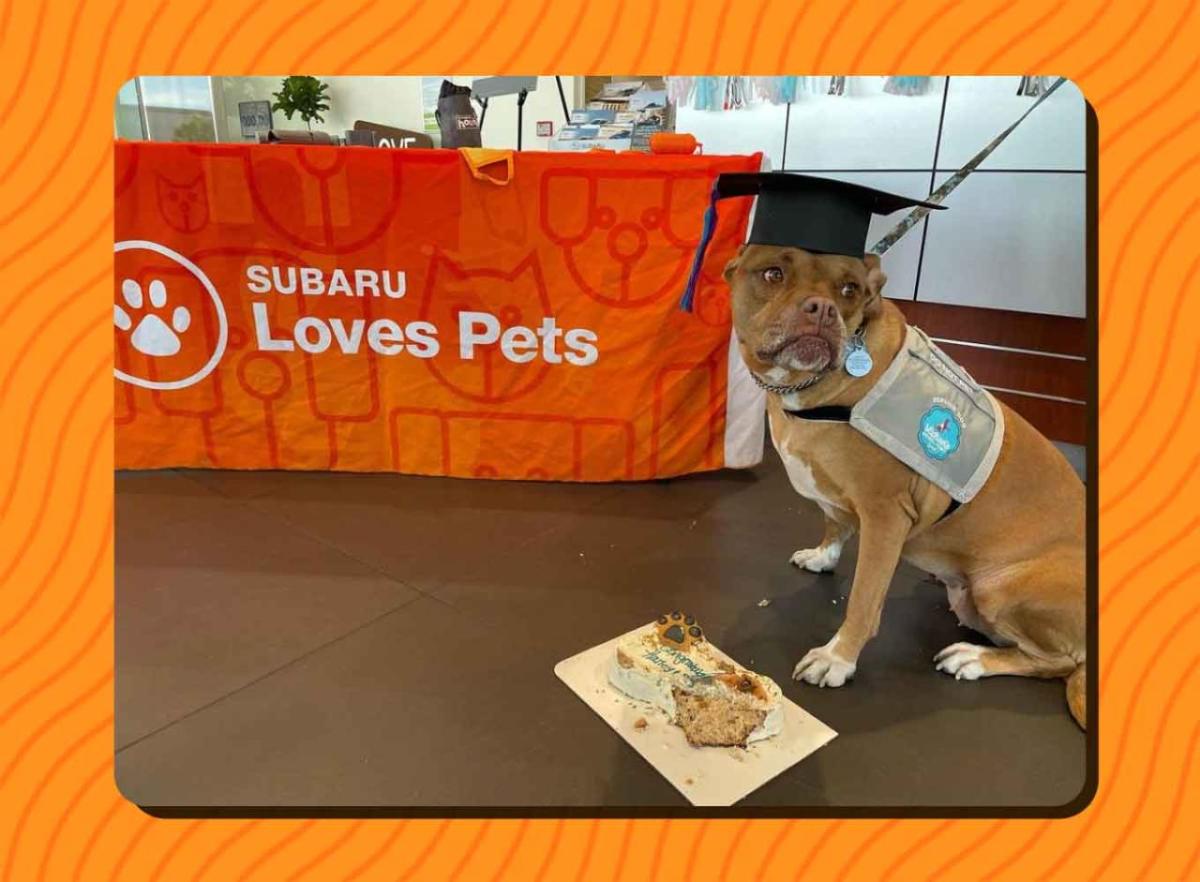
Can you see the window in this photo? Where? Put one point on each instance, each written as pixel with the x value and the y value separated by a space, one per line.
pixel 127 122
pixel 166 109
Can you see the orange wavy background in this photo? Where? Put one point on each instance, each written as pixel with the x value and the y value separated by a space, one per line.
pixel 60 814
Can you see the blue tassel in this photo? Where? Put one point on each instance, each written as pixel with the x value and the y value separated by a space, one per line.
pixel 710 225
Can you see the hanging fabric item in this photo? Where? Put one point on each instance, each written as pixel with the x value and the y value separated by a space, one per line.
pixel 787 89
pixel 906 85
pixel 837 86
pixel 811 85
pixel 777 90
pixel 1033 87
pixel 679 89
pixel 767 88
pixel 737 93
pixel 707 93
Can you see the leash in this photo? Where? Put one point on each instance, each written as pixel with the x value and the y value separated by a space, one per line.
pixel 918 214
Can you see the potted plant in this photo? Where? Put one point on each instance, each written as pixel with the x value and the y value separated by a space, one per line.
pixel 303 95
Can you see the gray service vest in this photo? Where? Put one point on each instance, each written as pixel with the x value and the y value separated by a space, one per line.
pixel 927 412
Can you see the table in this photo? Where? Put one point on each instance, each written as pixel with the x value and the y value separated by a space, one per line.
pixel 365 309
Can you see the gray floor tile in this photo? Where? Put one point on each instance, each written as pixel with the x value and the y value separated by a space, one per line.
pixel 210 600
pixel 426 530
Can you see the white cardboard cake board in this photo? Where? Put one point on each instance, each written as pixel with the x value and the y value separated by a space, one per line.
pixel 705 775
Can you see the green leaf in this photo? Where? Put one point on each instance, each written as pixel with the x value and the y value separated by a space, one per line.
pixel 304 95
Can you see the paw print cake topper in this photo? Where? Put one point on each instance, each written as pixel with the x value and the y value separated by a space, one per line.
pixel 679 630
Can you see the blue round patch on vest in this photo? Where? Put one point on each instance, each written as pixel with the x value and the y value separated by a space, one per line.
pixel 939 433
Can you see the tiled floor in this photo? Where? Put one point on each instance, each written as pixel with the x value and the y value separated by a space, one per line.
pixel 336 639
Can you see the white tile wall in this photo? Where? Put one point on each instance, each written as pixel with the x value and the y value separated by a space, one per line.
pixel 759 127
pixel 866 128
pixel 901 260
pixel 979 108
pixel 1009 241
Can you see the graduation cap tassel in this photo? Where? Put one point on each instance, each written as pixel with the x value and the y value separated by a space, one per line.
pixel 837 85
pixel 710 225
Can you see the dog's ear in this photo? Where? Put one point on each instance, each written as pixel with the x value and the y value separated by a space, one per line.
pixel 876 279
pixel 731 267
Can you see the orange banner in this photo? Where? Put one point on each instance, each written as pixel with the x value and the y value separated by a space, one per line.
pixel 401 310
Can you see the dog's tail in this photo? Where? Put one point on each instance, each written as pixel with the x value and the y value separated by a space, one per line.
pixel 1077 695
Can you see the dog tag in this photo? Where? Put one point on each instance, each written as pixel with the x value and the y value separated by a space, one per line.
pixel 858 362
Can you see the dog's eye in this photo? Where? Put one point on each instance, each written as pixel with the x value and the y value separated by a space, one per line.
pixel 772 275
pixel 849 289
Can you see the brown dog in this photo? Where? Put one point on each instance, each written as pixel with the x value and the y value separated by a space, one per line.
pixel 1012 558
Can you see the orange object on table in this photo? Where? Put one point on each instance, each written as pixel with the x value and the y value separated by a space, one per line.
pixel 679 143
pixel 309 307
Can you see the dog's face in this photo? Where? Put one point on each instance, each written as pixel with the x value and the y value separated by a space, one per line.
pixel 793 310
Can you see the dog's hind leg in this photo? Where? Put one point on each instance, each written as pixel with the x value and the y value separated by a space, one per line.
pixel 969 661
pixel 825 556
pixel 1035 610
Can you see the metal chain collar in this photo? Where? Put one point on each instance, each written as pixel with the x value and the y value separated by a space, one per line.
pixel 858 340
pixel 787 390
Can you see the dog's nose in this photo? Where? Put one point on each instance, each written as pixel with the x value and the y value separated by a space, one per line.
pixel 821 310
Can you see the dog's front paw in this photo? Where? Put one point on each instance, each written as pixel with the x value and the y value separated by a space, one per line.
pixel 817 560
pixel 824 667
pixel 963 661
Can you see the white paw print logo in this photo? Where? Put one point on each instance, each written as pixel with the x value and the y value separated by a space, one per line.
pixel 158 329
pixel 152 336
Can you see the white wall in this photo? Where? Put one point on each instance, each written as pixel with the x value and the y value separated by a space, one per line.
pixel 393 101
pixel 500 127
pixel 1013 235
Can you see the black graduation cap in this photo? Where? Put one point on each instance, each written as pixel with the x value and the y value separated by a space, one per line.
pixel 800 211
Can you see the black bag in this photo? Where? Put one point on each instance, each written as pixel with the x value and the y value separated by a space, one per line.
pixel 456 117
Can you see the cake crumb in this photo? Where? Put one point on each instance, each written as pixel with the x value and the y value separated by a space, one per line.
pixel 640 723
pixel 764 602
pixel 688 781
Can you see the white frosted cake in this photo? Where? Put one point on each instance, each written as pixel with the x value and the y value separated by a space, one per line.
pixel 715 702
